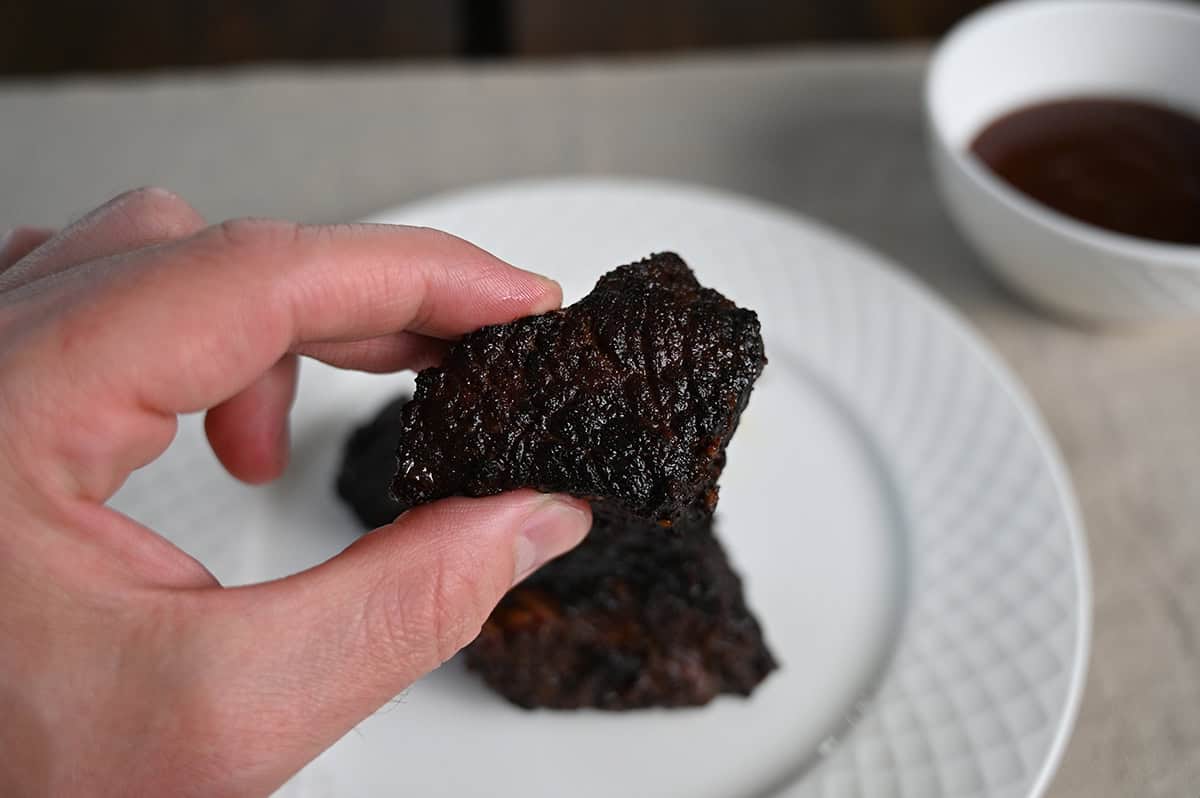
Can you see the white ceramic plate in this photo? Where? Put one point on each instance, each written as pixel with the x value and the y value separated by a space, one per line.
pixel 906 533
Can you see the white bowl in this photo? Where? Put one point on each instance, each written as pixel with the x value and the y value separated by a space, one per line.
pixel 1017 53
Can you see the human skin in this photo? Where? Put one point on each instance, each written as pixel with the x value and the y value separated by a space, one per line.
pixel 125 668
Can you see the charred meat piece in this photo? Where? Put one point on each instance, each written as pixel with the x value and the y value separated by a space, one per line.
pixel 629 396
pixel 633 618
pixel 368 463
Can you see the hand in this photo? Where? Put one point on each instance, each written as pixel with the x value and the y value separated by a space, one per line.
pixel 125 669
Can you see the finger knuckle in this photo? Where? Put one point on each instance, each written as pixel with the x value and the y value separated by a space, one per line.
pixel 162 209
pixel 426 623
pixel 254 233
pixel 435 236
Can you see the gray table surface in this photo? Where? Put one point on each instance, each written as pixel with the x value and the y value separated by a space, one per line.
pixel 836 135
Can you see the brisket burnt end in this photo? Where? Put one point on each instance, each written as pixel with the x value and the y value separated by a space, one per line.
pixel 628 396
pixel 368 463
pixel 632 618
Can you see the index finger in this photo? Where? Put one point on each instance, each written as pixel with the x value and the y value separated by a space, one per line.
pixel 184 326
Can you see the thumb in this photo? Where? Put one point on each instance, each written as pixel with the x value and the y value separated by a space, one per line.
pixel 307 657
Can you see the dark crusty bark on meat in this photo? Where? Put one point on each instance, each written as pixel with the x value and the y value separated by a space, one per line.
pixel 633 618
pixel 368 463
pixel 628 396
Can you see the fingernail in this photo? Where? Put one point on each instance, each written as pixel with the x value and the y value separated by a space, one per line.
pixel 555 527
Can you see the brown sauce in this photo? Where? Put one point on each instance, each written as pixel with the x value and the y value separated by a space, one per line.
pixel 1127 166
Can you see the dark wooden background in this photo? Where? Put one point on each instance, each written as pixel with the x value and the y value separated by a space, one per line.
pixel 53 36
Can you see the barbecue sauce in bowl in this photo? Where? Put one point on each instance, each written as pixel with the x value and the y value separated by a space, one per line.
pixel 1127 166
